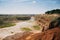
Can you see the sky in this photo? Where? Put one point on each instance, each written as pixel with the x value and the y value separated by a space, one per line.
pixel 28 6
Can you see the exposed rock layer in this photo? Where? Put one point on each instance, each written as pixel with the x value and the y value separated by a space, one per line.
pixel 52 34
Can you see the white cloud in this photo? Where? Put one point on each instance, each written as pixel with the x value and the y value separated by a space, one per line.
pixel 34 1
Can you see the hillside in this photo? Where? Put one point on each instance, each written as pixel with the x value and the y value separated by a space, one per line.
pixel 43 21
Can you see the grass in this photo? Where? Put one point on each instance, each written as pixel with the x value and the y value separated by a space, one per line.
pixel 26 29
pixel 7 25
pixel 36 27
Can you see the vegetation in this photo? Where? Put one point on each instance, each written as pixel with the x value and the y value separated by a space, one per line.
pixel 55 11
pixel 36 27
pixel 22 18
pixel 6 25
pixel 26 29
pixel 9 20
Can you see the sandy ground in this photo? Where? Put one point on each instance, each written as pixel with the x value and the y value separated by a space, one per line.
pixel 15 29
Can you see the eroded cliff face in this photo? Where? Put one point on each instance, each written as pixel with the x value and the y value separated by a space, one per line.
pixel 43 21
pixel 18 36
pixel 51 34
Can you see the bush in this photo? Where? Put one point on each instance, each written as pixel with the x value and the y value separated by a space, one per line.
pixel 7 25
pixel 22 18
pixel 36 27
pixel 26 29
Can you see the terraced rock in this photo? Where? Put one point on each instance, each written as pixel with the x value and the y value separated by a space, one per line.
pixel 45 19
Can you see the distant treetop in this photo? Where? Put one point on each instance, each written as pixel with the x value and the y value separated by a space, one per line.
pixel 55 11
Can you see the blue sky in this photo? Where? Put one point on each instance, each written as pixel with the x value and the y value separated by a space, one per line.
pixel 27 6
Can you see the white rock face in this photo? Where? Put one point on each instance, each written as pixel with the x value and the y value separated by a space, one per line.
pixel 32 19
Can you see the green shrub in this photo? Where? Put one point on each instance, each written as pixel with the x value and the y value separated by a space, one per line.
pixel 26 29
pixel 7 25
pixel 36 27
pixel 22 18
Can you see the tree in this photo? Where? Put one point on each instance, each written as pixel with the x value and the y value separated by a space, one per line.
pixel 55 11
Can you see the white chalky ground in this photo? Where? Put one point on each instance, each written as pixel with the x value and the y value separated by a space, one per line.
pixel 15 29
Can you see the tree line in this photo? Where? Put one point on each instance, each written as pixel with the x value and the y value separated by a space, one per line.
pixel 55 11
